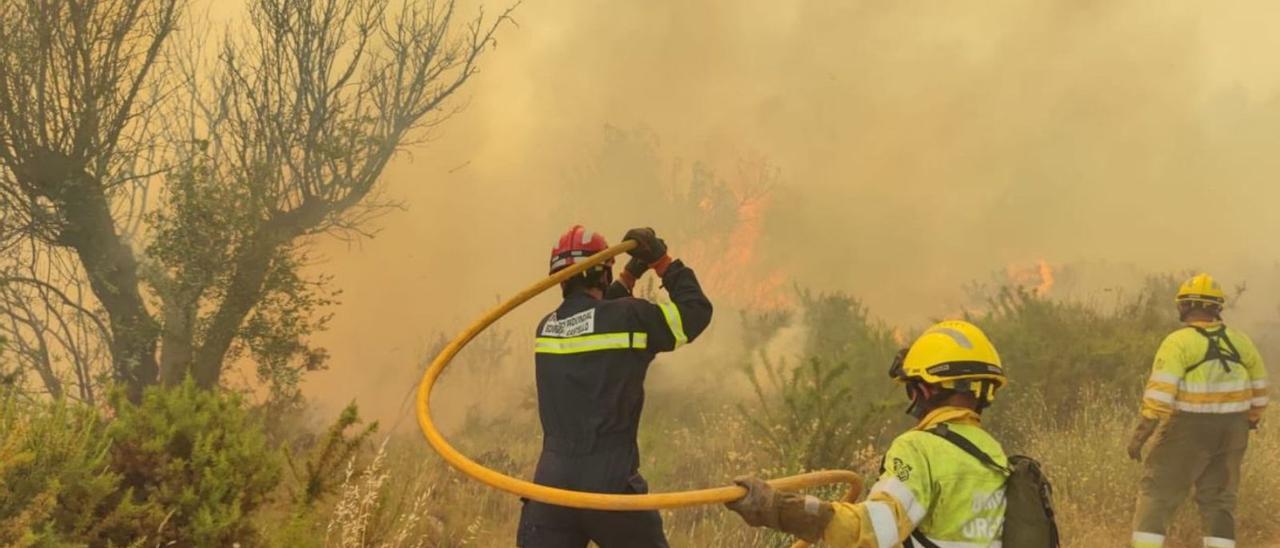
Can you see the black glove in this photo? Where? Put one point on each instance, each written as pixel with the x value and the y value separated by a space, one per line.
pixel 649 247
pixel 636 267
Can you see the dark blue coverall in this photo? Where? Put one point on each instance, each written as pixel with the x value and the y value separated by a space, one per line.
pixel 591 358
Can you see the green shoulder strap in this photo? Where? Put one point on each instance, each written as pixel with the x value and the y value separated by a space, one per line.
pixel 944 431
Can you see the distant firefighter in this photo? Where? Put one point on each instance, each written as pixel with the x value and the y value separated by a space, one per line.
pixel 592 354
pixel 1207 389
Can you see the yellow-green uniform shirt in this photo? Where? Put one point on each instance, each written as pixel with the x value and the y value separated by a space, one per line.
pixel 932 486
pixel 1216 386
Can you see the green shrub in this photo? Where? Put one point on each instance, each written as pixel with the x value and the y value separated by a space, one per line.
pixel 197 461
pixel 807 417
pixel 56 486
pixel 320 472
pixel 1051 348
pixel 812 411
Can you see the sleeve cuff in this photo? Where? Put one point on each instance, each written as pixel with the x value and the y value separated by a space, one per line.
pixel 660 266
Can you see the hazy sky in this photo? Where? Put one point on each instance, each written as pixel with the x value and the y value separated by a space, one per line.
pixel 921 145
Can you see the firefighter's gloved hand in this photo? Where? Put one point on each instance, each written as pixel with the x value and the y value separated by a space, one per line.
pixel 803 516
pixel 636 267
pixel 758 508
pixel 649 247
pixel 1141 434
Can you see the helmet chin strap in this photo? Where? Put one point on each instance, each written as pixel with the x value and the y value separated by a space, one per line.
pixel 608 277
pixel 922 405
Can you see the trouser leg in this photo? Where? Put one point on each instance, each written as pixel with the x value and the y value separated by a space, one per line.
pixel 626 529
pixel 548 526
pixel 1177 458
pixel 1217 486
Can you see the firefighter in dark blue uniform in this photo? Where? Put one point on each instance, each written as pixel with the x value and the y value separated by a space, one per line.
pixel 592 354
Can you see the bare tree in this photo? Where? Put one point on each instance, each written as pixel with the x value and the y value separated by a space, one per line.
pixel 76 98
pixel 282 139
pixel 296 123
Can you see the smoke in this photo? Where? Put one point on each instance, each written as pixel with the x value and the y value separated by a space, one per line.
pixel 918 145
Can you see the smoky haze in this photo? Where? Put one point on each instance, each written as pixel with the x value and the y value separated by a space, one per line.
pixel 918 146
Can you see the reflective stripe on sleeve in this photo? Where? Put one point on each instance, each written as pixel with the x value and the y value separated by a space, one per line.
pixel 672 314
pixel 1159 396
pixel 1147 540
pixel 1260 384
pixel 1225 407
pixel 901 493
pixel 883 523
pixel 591 343
pixel 1260 402
pixel 1161 376
pixel 1219 542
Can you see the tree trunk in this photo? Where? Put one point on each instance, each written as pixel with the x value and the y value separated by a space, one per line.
pixel 88 228
pixel 113 275
pixel 252 263
pixel 177 342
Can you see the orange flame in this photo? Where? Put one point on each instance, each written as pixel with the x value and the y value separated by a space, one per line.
pixel 728 263
pixel 1038 276
pixel 899 337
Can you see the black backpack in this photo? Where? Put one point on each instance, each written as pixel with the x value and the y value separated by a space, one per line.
pixel 1028 515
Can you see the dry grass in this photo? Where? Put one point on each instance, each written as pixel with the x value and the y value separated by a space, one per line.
pixel 1094 481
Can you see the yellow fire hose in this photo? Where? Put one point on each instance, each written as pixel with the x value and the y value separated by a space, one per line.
pixel 578 499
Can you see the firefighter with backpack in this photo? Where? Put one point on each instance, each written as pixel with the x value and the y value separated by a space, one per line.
pixel 944 483
pixel 1208 388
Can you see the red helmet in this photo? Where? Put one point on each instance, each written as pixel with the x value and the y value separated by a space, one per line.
pixel 575 245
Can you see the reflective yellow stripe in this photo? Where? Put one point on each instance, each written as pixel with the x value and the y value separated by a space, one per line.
pixel 1215 397
pixel 1205 388
pixel 674 322
pixel 1228 407
pixel 591 343
pixel 1224 396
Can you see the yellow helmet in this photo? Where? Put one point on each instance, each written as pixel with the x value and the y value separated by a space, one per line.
pixel 953 354
pixel 1201 289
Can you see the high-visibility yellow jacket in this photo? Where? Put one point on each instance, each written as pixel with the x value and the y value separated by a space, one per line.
pixel 931 486
pixel 1189 376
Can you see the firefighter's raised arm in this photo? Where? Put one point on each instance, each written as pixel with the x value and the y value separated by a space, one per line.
pixel 668 325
